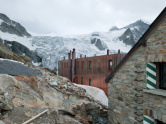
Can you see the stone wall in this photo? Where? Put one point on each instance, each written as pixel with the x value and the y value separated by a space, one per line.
pixel 128 99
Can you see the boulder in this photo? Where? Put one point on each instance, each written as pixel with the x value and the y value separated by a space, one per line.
pixel 67 103
pixel 6 102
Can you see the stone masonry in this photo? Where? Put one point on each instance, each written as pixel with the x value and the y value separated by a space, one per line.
pixel 128 99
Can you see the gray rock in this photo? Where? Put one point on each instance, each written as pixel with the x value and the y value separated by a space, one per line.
pixel 99 44
pixel 12 27
pixel 21 49
pixel 6 102
pixel 127 37
pixel 130 37
pixel 15 69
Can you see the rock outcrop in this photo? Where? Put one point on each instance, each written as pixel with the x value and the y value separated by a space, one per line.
pixel 30 95
pixel 133 32
pixel 99 44
pixel 12 27
pixel 20 49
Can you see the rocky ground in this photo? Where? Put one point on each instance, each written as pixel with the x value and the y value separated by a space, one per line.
pixel 23 97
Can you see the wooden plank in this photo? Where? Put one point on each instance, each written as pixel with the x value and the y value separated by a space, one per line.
pixel 35 117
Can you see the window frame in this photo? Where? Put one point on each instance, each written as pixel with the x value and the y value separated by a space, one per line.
pixel 160 76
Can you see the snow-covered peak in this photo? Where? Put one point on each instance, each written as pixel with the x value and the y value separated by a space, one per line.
pixel 138 23
pixel 146 21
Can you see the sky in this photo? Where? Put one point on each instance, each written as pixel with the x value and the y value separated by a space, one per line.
pixel 65 17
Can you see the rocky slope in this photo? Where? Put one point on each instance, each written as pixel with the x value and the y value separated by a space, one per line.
pixel 8 54
pixel 11 28
pixel 22 97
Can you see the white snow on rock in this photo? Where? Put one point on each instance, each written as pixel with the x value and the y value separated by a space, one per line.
pixel 96 93
pixel 1 59
pixel 23 40
pixel 36 64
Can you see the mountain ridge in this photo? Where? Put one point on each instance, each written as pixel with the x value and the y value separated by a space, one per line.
pixel 53 48
pixel 12 27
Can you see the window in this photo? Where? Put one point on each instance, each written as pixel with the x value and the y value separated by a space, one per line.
pixel 110 64
pixel 82 64
pixel 82 80
pixel 159 122
pixel 98 64
pixel 162 77
pixel 89 82
pixel 90 64
pixel 98 69
pixel 156 75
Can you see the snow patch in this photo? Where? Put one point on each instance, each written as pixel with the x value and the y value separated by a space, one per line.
pixel 36 64
pixel 128 36
pixel 97 93
pixel 23 40
pixel 1 59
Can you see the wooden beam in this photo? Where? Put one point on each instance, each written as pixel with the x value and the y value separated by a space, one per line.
pixel 35 117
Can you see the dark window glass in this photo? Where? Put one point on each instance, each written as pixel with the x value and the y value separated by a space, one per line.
pixel 89 82
pixel 90 64
pixel 163 76
pixel 159 122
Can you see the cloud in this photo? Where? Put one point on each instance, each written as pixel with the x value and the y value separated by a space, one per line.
pixel 79 16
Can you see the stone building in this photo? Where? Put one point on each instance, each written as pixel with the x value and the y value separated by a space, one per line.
pixel 137 86
pixel 90 71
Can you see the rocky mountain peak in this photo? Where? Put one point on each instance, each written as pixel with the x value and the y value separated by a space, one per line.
pixel 4 18
pixel 133 32
pixel 137 23
pixel 12 27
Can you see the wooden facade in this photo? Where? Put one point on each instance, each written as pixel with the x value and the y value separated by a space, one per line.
pixel 90 71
